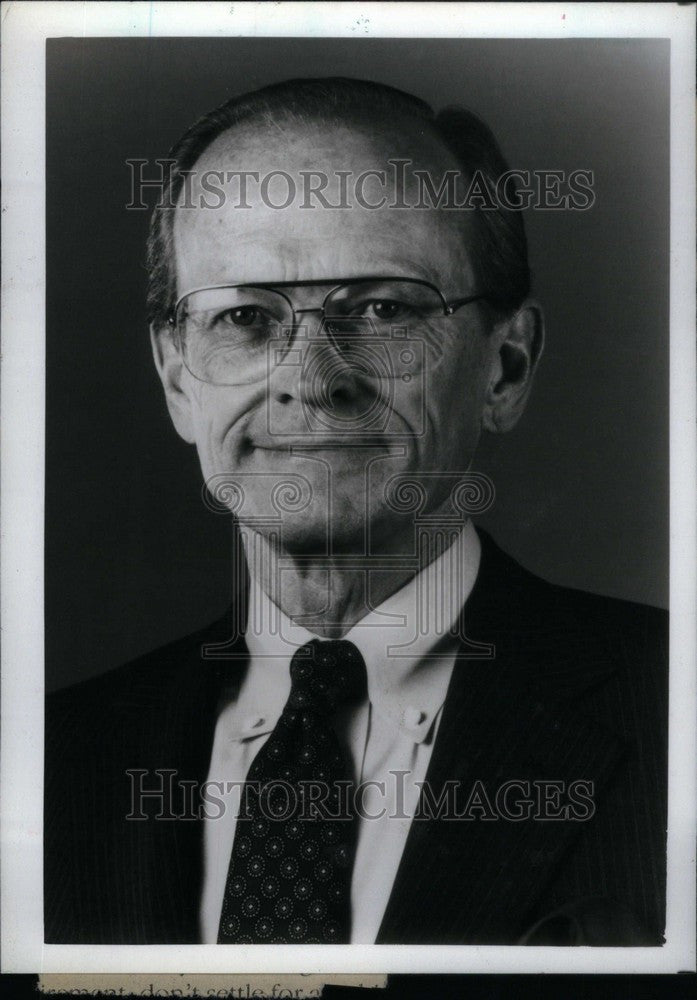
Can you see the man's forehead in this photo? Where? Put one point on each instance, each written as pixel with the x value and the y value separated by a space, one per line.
pixel 306 238
pixel 301 256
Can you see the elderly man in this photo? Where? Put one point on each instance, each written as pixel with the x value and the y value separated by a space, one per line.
pixel 397 735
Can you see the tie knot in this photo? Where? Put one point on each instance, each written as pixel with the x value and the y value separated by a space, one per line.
pixel 325 674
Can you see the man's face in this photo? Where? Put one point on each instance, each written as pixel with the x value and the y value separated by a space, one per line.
pixel 263 432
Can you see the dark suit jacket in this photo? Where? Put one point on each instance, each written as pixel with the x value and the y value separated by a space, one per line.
pixel 576 691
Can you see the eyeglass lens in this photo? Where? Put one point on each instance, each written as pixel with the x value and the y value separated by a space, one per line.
pixel 235 335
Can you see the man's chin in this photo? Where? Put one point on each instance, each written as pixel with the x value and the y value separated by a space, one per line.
pixel 301 537
pixel 313 500
pixel 324 469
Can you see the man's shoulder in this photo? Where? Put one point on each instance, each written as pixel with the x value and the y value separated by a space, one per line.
pixel 558 628
pixel 146 683
pixel 611 616
pixel 553 605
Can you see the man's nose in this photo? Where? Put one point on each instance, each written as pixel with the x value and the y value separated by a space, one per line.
pixel 314 371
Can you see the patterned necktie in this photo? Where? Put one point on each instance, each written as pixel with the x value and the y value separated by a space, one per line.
pixel 289 878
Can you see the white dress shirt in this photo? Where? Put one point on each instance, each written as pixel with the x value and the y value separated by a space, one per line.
pixel 409 656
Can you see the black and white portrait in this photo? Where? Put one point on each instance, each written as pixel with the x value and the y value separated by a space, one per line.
pixel 357 491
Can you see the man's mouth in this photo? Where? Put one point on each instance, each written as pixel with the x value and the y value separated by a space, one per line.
pixel 317 442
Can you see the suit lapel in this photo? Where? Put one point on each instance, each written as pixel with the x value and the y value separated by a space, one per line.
pixel 174 712
pixel 515 717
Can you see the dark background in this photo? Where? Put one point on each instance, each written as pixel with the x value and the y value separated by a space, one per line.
pixel 133 558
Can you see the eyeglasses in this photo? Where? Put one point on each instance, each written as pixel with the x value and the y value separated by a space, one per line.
pixel 236 334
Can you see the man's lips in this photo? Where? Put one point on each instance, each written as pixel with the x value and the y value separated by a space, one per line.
pixel 315 442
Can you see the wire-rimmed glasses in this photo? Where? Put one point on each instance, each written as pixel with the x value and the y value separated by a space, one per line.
pixel 234 334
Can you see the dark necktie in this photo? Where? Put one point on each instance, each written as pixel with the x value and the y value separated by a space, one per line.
pixel 289 878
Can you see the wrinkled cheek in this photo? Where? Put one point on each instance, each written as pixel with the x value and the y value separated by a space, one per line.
pixel 206 446
pixel 452 403
pixel 214 454
pixel 217 418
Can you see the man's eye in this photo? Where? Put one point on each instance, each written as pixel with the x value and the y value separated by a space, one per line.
pixel 387 308
pixel 242 316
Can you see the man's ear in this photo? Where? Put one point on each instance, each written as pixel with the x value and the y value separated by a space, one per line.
pixel 171 370
pixel 517 346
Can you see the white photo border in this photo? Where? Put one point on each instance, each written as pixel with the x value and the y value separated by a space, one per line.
pixel 26 28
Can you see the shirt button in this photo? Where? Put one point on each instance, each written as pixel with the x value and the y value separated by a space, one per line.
pixel 413 717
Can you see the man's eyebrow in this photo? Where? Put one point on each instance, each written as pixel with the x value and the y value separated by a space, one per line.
pixel 408 268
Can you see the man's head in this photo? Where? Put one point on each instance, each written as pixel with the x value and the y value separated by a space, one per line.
pixel 343 406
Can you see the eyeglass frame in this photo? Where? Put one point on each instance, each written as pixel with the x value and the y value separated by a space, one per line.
pixel 449 307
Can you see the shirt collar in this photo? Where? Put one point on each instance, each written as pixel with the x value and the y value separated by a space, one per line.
pixel 407 644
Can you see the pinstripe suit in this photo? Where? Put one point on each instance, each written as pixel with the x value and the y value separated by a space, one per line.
pixel 576 690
